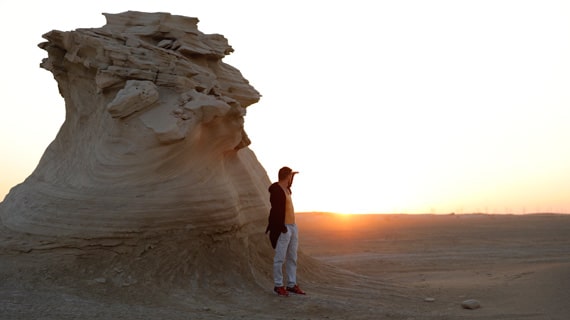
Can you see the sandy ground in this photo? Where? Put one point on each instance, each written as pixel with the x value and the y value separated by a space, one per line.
pixel 352 266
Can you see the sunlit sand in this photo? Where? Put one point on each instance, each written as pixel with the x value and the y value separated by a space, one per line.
pixel 517 267
pixel 352 266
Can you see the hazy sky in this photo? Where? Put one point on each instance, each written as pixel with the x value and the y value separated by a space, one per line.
pixel 384 106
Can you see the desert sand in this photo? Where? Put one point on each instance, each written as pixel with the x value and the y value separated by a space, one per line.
pixel 352 266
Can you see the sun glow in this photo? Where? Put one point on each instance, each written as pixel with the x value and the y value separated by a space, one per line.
pixel 458 115
pixel 405 107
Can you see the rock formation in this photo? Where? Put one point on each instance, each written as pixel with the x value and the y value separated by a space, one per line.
pixel 150 178
pixel 153 140
pixel 149 203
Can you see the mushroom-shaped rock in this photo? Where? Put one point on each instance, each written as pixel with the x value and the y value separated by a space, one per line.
pixel 153 140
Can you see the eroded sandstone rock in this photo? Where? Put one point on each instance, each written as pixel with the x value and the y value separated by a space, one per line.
pixel 135 96
pixel 153 139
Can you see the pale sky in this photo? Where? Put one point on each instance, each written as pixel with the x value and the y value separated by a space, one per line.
pixel 383 106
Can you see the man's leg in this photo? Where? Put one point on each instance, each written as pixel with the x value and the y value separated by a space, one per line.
pixel 291 263
pixel 279 258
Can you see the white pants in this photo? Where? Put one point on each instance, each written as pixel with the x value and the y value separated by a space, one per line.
pixel 286 251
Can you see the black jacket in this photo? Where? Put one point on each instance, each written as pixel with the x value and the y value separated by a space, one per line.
pixel 276 224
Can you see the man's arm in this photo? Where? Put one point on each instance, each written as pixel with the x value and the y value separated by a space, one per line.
pixel 277 215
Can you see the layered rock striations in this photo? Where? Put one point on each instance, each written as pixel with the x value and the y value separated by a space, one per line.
pixel 153 140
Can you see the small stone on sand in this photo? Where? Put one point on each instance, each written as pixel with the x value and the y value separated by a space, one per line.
pixel 100 280
pixel 470 304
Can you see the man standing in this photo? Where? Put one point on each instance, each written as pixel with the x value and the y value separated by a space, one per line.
pixel 283 233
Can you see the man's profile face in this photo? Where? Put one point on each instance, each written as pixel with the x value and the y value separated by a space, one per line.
pixel 290 178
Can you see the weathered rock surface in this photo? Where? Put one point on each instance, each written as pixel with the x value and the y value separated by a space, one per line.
pixel 153 139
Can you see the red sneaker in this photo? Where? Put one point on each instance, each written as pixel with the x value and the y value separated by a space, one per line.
pixel 281 291
pixel 295 289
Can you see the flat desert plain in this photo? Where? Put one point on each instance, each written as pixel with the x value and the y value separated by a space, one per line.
pixel 515 266
pixel 352 267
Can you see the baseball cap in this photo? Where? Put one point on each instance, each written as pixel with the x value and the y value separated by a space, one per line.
pixel 285 171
